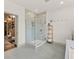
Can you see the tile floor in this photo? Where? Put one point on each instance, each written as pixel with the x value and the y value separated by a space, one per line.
pixel 46 51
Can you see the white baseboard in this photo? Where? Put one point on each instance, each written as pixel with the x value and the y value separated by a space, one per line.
pixel 59 42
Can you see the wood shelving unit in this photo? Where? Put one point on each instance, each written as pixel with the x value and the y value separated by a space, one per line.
pixel 50 33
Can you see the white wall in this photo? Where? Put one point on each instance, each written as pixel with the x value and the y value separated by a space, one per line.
pixel 13 8
pixel 63 24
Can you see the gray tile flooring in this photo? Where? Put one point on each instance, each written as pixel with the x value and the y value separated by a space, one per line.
pixel 46 51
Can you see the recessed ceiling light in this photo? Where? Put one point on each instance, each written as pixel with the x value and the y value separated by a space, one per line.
pixel 47 0
pixel 61 2
pixel 13 16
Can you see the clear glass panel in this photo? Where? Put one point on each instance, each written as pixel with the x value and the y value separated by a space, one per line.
pixel 38 29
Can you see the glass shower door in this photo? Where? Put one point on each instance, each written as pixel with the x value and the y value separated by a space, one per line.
pixel 39 27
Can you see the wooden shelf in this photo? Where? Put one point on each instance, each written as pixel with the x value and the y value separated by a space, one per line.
pixel 50 33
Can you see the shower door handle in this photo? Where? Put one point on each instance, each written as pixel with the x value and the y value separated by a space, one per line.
pixel 40 30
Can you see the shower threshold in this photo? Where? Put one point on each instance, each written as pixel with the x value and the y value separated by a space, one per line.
pixel 38 43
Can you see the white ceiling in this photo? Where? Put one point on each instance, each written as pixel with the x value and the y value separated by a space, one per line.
pixel 40 5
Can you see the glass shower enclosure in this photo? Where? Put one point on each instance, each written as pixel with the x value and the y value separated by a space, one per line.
pixel 36 28
pixel 39 29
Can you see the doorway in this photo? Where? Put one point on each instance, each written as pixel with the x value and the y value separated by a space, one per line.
pixel 9 31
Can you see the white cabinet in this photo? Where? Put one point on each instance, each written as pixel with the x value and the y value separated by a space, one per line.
pixel 69 53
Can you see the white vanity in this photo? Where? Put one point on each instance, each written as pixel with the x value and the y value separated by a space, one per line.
pixel 69 53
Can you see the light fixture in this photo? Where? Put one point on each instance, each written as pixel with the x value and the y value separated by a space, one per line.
pixel 13 16
pixel 61 2
pixel 47 0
